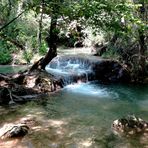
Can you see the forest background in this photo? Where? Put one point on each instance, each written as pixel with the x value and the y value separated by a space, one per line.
pixel 117 29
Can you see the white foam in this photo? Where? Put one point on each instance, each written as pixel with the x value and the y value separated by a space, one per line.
pixel 88 89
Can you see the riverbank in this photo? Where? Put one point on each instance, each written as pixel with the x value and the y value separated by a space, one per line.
pixel 23 86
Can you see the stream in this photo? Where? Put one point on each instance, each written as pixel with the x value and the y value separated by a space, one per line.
pixel 80 116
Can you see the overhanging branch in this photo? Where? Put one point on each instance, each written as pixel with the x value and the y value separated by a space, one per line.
pixel 12 20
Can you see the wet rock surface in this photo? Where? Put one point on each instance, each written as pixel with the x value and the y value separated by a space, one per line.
pixel 13 130
pixel 24 87
pixel 130 125
pixel 111 71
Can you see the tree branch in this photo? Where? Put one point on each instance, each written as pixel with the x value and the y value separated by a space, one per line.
pixel 12 20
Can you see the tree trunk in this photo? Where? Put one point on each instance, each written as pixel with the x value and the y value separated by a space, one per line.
pixel 52 43
pixel 142 62
pixel 143 48
pixel 39 35
pixel 10 7
pixel 51 39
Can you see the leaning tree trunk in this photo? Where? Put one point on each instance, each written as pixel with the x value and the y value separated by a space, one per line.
pixel 51 39
pixel 52 44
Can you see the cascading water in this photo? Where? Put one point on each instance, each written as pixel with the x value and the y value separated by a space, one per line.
pixel 75 68
pixel 71 69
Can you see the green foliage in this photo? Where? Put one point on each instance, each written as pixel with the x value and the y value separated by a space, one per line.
pixel 5 57
pixel 43 49
pixel 27 55
pixel 111 53
pixel 122 18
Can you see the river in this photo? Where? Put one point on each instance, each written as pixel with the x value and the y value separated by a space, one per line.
pixel 80 116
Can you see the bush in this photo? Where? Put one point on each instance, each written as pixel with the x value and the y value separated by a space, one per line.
pixel 27 55
pixel 43 49
pixel 111 53
pixel 5 57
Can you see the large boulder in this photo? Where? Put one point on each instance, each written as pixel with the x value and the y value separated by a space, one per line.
pixel 111 71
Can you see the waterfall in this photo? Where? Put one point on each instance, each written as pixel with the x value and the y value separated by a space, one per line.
pixel 83 68
pixel 71 69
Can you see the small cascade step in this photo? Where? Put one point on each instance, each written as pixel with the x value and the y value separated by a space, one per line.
pixel 71 69
pixel 75 68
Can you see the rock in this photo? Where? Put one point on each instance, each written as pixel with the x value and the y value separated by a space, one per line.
pixel 111 71
pixel 17 88
pixel 130 126
pixel 13 130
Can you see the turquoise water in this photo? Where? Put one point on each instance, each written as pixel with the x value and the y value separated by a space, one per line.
pixel 80 116
pixel 89 110
pixel 12 69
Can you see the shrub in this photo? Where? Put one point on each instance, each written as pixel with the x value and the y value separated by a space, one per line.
pixel 5 57
pixel 111 53
pixel 27 55
pixel 43 49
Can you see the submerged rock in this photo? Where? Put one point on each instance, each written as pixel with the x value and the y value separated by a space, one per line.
pixel 13 130
pixel 130 126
